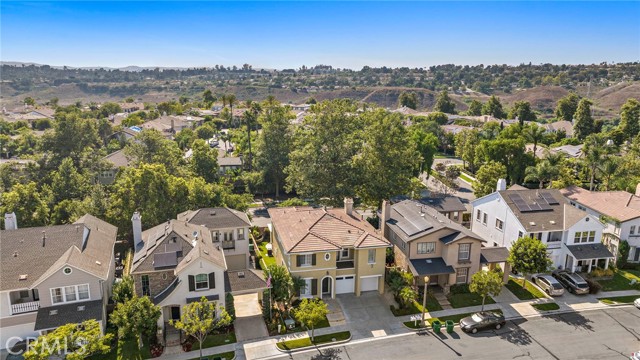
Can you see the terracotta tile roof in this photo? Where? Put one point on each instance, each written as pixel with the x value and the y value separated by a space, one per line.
pixel 617 204
pixel 306 229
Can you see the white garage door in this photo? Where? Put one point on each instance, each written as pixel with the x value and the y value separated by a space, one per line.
pixel 345 284
pixel 369 284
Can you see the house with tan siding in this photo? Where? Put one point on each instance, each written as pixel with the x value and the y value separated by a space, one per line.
pixel 335 251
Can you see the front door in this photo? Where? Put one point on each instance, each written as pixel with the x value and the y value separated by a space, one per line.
pixel 433 280
pixel 175 313
pixel 326 286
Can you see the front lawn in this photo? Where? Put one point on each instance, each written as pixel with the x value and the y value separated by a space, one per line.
pixel 125 350
pixel 530 292
pixel 226 356
pixel 416 307
pixel 265 259
pixel 468 299
pixel 622 281
pixel 619 299
pixel 319 339
pixel 546 306
pixel 466 178
pixel 216 340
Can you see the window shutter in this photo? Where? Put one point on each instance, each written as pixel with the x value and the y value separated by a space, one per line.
pixel 314 282
pixel 298 260
pixel 313 259
pixel 192 283
pixel 212 280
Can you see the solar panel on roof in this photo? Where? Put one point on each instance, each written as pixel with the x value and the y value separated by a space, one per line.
pixel 534 207
pixel 549 198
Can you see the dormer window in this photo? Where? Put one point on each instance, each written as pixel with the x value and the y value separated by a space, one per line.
pixel 202 281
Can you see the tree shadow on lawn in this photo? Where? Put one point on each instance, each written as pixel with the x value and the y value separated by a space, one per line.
pixel 574 319
pixel 327 354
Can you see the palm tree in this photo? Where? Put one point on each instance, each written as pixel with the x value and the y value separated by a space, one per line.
pixel 608 169
pixel 542 173
pixel 250 115
pixel 534 134
pixel 231 100
pixel 407 295
pixel 593 156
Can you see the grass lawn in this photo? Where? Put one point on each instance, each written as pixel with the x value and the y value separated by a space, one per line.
pixel 265 260
pixel 466 178
pixel 227 356
pixel 319 339
pixel 546 307
pixel 468 299
pixel 216 340
pixel 416 307
pixel 621 280
pixel 530 292
pixel 125 350
pixel 619 299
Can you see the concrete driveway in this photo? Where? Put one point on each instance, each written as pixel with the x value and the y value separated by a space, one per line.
pixel 369 315
pixel 249 324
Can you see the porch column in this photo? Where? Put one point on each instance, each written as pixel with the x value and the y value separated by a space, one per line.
pixel 590 263
pixel 606 263
pixel 506 270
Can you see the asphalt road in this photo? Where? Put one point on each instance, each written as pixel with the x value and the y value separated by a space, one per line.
pixel 604 334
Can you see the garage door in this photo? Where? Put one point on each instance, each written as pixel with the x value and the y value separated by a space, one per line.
pixel 345 284
pixel 369 284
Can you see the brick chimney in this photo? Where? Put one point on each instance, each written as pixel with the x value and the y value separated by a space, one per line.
pixel 10 221
pixel 348 206
pixel 136 221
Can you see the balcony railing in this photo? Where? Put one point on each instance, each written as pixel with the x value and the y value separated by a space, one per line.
pixel 25 307
pixel 348 264
pixel 228 245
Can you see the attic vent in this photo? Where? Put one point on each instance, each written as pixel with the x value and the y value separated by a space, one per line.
pixel 23 277
pixel 15 254
pixel 553 222
pixel 241 274
pixel 53 312
pixel 205 251
pixel 98 263
pixel 428 261
pixel 532 223
pixel 81 308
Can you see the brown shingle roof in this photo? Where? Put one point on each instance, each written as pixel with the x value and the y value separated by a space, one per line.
pixel 618 204
pixel 118 159
pixel 307 229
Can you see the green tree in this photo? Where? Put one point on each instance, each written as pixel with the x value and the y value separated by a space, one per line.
pixel 407 295
pixel 487 178
pixel 68 183
pixel 466 142
pixel 250 118
pixel 71 341
pixel 205 132
pixel 208 98
pixel 623 254
pixel 29 101
pixel 29 205
pixel 475 108
pixel 595 153
pixel 283 286
pixel 486 283
pixel 274 145
pixel 151 147
pixel 109 108
pixel 566 107
pixel 494 108
pixel 444 103
pixel 542 172
pixel 584 124
pixel 311 312
pixel 630 118
pixel 200 318
pixel 123 290
pixel 70 137
pixel 184 138
pixel 138 317
pixel 522 111
pixel 204 161
pixel 408 99
pixel 439 117
pixel 427 145
pixel 510 152
pixel 534 134
pixel 528 256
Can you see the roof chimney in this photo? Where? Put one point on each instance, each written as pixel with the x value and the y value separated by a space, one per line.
pixel 385 214
pixel 502 185
pixel 348 206
pixel 10 221
pixel 637 194
pixel 136 221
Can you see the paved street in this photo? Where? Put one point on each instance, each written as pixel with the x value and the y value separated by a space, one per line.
pixel 602 334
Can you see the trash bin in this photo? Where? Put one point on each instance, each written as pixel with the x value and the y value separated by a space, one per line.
pixel 436 326
pixel 449 326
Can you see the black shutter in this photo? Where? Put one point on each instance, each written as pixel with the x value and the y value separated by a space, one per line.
pixel 298 260
pixel 212 280
pixel 314 283
pixel 313 259
pixel 192 283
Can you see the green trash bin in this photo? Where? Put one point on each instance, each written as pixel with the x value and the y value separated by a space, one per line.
pixel 449 326
pixel 436 326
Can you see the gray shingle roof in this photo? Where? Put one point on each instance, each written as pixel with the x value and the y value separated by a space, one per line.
pixel 432 266
pixel 118 159
pixel 55 316
pixel 23 252
pixel 216 218
pixel 251 281
pixel 589 251
pixel 445 204
pixel 490 255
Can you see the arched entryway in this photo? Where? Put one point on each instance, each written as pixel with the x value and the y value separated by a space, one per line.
pixel 327 286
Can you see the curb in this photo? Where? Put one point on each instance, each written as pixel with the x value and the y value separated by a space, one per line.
pixel 315 346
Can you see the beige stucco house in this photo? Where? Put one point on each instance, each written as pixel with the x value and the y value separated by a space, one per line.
pixel 334 250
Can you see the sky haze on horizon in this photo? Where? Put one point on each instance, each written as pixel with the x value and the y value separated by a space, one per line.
pixel 291 34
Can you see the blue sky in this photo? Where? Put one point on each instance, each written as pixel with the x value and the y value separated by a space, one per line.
pixel 342 34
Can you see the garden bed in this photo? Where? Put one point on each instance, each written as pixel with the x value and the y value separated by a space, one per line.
pixel 529 292
pixel 546 306
pixel 416 307
pixel 615 300
pixel 318 340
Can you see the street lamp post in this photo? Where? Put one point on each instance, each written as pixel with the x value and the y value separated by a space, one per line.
pixel 424 301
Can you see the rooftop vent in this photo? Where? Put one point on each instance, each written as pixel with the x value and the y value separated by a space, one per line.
pixel 15 254
pixel 532 223
pixel 53 312
pixel 553 222
pixel 23 277
pixel 241 274
pixel 98 263
pixel 213 213
pixel 81 308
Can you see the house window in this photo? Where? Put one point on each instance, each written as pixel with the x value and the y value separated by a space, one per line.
pixel 499 224
pixel 56 296
pixel 70 293
pixel 426 247
pixel 478 214
pixel 344 254
pixel 520 234
pixel 372 256
pixel 146 289
pixel 461 275
pixel 585 236
pixel 484 219
pixel 202 281
pixel 632 230
pixel 240 234
pixel 455 215
pixel 306 260
pixel 592 236
pixel 67 270
pixel 83 292
pixel 228 236
pixel 464 252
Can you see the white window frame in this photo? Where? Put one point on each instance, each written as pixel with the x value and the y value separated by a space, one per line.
pixel 520 234
pixel 196 282
pixel 426 247
pixel 485 217
pixel 632 230
pixel 500 223
pixel 468 252
pixel 478 215
pixel 592 236
pixel 241 234
pixel 63 292
pixel 342 255
pixel 371 260
pixel 307 260
pixel 458 275
pixel 455 215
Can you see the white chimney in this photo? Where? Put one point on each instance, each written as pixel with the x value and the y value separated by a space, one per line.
pixel 136 220
pixel 348 206
pixel 10 221
pixel 637 192
pixel 502 185
pixel 385 214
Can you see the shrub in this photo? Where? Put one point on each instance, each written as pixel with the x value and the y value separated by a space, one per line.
pixel 594 286
pixel 156 350
pixel 266 235
pixel 459 289
pixel 598 272
pixel 230 306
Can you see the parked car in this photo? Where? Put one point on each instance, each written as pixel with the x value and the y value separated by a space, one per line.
pixel 635 356
pixel 549 284
pixel 482 320
pixel 637 303
pixel 572 281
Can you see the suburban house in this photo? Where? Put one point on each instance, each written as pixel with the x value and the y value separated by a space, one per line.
pixel 228 163
pixel 115 160
pixel 131 107
pixel 572 151
pixel 229 228
pixel 559 126
pixel 335 251
pixel 618 210
pixel 54 275
pixel 427 243
pixel 449 206
pixel 169 125
pixel 176 263
pixel 573 237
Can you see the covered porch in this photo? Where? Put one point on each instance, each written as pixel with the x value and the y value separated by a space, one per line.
pixel 436 269
pixel 492 257
pixel 586 257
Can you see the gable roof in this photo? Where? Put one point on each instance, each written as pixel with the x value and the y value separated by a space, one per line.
pixel 216 218
pixel 118 159
pixel 620 205
pixel 445 204
pixel 86 244
pixel 565 125
pixel 306 229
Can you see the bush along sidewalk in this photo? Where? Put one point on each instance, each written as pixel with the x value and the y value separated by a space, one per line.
pixel 304 343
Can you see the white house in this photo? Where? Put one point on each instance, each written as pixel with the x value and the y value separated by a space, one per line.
pixel 618 210
pixel 573 237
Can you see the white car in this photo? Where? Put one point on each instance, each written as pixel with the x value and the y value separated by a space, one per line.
pixel 635 355
pixel 637 303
